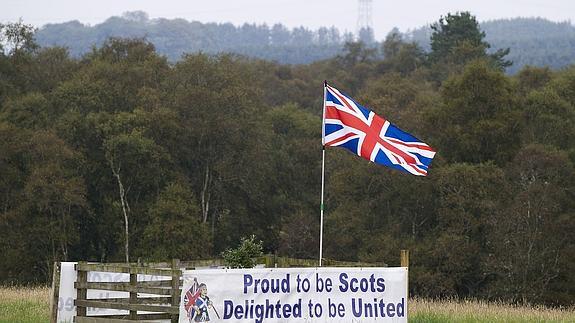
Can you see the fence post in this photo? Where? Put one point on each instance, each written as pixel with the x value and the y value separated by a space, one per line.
pixel 176 273
pixel 133 295
pixel 404 256
pixel 55 292
pixel 81 293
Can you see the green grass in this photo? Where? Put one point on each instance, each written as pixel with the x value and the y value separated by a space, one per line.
pixel 431 311
pixel 27 305
pixel 24 311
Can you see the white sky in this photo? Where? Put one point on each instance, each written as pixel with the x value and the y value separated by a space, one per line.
pixel 404 14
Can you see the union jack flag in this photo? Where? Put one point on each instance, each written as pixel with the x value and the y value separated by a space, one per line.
pixel 349 125
pixel 190 299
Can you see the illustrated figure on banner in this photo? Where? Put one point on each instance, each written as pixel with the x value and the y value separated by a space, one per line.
pixel 197 303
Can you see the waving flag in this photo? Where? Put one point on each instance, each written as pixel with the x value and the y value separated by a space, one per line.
pixel 349 125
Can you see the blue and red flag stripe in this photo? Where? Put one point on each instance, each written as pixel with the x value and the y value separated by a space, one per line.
pixel 349 125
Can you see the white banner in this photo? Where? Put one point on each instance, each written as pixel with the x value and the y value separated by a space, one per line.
pixel 295 295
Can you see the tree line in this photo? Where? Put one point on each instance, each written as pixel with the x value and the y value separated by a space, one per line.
pixel 533 41
pixel 173 37
pixel 189 157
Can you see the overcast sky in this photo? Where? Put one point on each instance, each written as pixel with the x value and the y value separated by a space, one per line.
pixel 404 14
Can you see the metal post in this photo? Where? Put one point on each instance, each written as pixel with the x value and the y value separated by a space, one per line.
pixel 322 175
pixel 321 207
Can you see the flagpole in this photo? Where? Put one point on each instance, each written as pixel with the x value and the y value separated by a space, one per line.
pixel 322 174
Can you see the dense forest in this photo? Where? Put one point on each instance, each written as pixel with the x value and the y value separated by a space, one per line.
pixel 533 41
pixel 188 157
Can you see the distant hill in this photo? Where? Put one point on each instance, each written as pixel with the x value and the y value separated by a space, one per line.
pixel 173 37
pixel 533 41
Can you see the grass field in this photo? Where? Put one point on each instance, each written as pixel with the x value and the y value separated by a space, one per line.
pixel 33 305
pixel 422 310
pixel 24 304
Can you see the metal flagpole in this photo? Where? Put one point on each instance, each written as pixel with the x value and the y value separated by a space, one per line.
pixel 322 173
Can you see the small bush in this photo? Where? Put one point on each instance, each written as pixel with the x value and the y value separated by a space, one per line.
pixel 243 256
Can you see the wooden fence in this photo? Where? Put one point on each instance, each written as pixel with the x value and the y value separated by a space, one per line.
pixel 163 295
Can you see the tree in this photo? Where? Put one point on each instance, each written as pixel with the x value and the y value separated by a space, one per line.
pixel 548 119
pixel 355 53
pixel 533 78
pixel 479 119
pixel 136 16
pixel 243 256
pixel 211 94
pixel 56 192
pixel 392 43
pixel 17 38
pixel 135 163
pixel 279 35
pixel 458 39
pixel 468 195
pixel 50 67
pixel 43 203
pixel 564 85
pixel 176 229
pixel 17 46
pixel 293 187
pixel 357 59
pixel 31 111
pixel 105 112
pixel 530 234
pixel 399 55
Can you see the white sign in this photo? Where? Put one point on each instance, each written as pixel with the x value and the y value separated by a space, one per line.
pixel 295 295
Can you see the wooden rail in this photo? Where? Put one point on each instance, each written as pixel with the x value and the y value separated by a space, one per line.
pixel 273 261
pixel 164 302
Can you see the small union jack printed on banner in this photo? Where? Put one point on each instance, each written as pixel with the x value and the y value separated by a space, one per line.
pixel 349 125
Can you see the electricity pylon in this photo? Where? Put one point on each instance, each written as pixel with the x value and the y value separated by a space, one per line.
pixel 364 20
